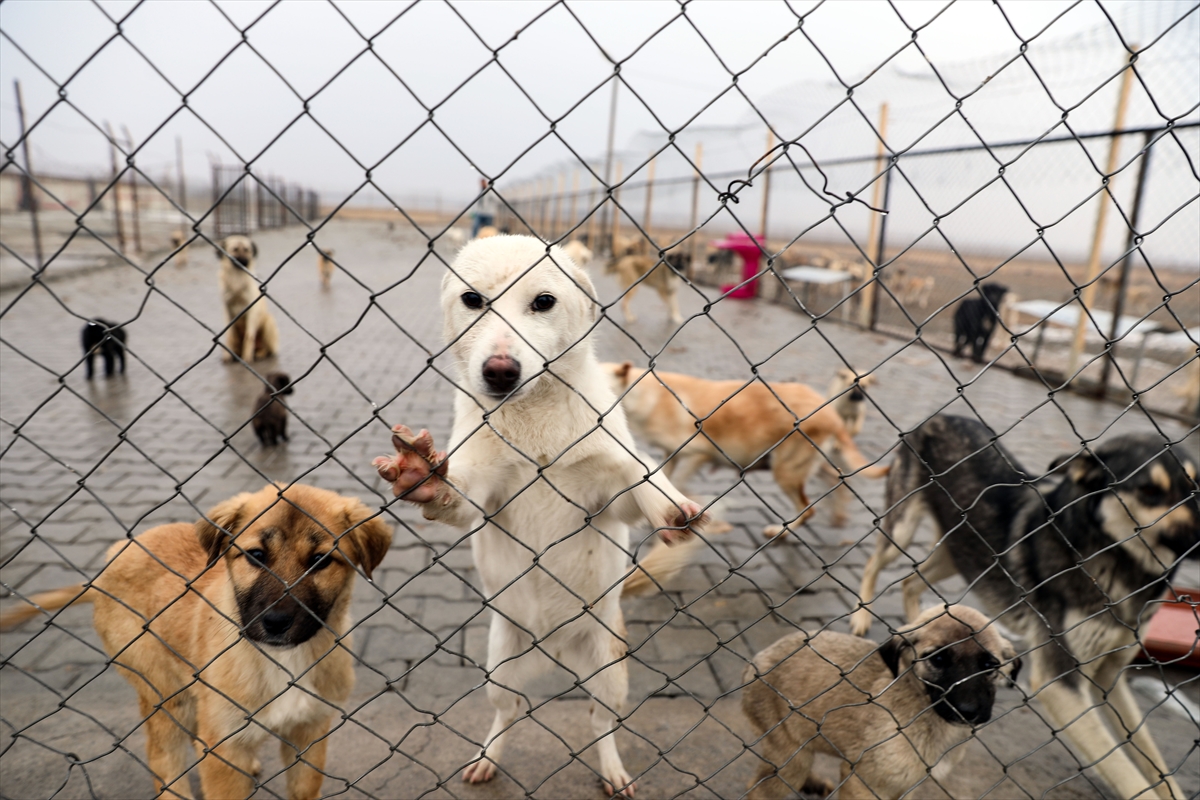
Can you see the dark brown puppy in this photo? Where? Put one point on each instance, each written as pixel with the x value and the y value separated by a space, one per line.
pixel 234 630
pixel 270 417
pixel 840 695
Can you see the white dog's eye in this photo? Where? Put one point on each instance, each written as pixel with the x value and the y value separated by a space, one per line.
pixel 544 302
pixel 472 300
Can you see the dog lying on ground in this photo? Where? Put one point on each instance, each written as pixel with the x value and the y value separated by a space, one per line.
pixel 325 266
pixel 745 425
pixel 106 338
pixel 270 416
pixel 1072 566
pixel 975 319
pixel 213 622
pixel 635 267
pixel 847 395
pixel 177 243
pixel 548 492
pixel 840 695
pixel 252 330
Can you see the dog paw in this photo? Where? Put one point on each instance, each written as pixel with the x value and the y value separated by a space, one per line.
pixel 417 468
pixel 860 622
pixel 680 525
pixel 619 784
pixel 479 772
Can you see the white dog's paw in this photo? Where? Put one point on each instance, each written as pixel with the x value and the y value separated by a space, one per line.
pixel 682 521
pixel 619 784
pixel 417 468
pixel 481 771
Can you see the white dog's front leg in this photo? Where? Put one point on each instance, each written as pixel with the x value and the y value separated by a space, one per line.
pixel 656 499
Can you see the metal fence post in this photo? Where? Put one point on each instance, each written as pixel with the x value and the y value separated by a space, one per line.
pixel 881 244
pixel 116 187
pixel 616 220
pixel 133 176
pixel 649 196
pixel 27 193
pixel 866 310
pixel 691 270
pixel 182 185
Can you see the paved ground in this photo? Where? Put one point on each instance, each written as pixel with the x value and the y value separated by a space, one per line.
pixel 83 463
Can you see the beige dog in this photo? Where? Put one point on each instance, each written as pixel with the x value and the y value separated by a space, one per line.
pixel 747 425
pixel 661 275
pixel 325 266
pixel 838 694
pixel 545 493
pixel 252 330
pixel 847 396
pixel 178 238
pixel 578 251
pixel 213 622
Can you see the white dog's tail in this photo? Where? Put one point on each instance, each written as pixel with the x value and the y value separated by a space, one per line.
pixel 662 563
pixel 44 602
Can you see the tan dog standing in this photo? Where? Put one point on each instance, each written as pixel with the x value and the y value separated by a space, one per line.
pixel 325 266
pixel 746 425
pixel 252 330
pixel 251 599
pixel 889 712
pixel 178 238
pixel 848 398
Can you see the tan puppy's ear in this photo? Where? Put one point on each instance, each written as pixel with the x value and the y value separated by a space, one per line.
pixel 367 537
pixel 895 652
pixel 222 522
pixel 1009 653
pixel 220 251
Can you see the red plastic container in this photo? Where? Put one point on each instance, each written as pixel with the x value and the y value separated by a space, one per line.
pixel 749 251
pixel 1174 631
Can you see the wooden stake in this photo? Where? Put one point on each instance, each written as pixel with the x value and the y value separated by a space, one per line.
pixel 571 220
pixel 766 198
pixel 867 295
pixel 616 222
pixel 1088 296
pixel 695 234
pixel 27 178
pixel 649 196
pixel 116 188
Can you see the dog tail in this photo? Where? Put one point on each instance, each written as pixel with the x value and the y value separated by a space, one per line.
pixel 854 458
pixel 45 602
pixel 662 563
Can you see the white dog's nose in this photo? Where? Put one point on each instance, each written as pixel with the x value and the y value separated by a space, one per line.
pixel 501 374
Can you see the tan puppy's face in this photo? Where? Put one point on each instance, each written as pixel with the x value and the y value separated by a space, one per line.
pixel 291 561
pixel 240 249
pixel 845 380
pixel 511 312
pixel 958 656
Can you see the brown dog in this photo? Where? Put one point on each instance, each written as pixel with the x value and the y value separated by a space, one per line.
pixel 213 622
pixel 252 330
pixel 847 395
pixel 747 425
pixel 270 417
pixel 178 240
pixel 325 266
pixel 837 694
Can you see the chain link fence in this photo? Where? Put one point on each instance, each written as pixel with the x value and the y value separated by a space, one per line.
pixel 867 424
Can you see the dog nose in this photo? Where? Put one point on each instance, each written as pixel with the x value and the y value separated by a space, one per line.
pixel 973 710
pixel 501 373
pixel 276 623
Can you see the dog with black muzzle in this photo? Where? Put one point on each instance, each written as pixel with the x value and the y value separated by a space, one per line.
pixel 253 333
pixel 1073 563
pixel 975 319
pixel 243 615
pixel 868 705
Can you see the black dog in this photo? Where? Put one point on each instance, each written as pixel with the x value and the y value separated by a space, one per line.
pixel 270 418
pixel 975 320
pixel 107 339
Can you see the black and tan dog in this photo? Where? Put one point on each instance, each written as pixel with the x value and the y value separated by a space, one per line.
pixel 100 336
pixel 1074 564
pixel 270 415
pixel 243 615
pixel 839 695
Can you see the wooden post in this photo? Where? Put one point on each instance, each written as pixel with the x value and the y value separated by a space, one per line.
pixel 616 221
pixel 867 295
pixel 766 198
pixel 27 178
pixel 695 234
pixel 558 198
pixel 572 221
pixel 182 185
pixel 137 228
pixel 594 220
pixel 608 161
pixel 116 187
pixel 1088 296
pixel 649 197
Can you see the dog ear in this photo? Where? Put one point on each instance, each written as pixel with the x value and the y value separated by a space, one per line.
pixel 221 249
pixel 254 249
pixel 1015 671
pixel 222 522
pixel 368 537
pixel 1082 468
pixel 623 372
pixel 891 652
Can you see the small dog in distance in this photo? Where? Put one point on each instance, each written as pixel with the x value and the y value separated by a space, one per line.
pixel 325 266
pixel 270 417
pixel 975 320
pixel 106 338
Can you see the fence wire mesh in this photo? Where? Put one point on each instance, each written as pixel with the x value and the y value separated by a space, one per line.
pixel 1002 333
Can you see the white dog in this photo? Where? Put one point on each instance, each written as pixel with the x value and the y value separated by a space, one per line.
pixel 252 330
pixel 547 476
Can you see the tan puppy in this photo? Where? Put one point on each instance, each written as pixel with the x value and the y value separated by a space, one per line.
pixel 838 694
pixel 251 599
pixel 661 275
pixel 488 231
pixel 325 266
pixel 177 243
pixel 252 330
pixel 747 425
pixel 578 251
pixel 847 396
